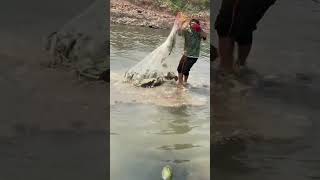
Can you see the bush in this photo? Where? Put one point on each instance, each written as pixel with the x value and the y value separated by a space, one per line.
pixel 188 5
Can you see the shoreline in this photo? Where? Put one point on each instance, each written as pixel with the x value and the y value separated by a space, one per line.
pixel 126 13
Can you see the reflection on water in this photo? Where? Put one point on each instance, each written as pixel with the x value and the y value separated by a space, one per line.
pixel 177 147
pixel 164 125
pixel 273 123
pixel 149 137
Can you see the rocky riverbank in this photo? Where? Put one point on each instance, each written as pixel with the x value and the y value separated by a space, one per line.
pixel 127 13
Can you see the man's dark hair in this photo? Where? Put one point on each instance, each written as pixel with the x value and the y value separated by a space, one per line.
pixel 195 20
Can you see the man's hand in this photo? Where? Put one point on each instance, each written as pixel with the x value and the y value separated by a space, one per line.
pixel 182 27
pixel 203 35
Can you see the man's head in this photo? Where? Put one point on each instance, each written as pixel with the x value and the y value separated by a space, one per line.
pixel 195 25
pixel 194 21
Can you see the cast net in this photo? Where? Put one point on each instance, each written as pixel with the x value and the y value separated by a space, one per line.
pixel 154 70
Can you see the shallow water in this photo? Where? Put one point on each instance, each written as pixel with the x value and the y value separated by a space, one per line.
pixel 153 127
pixel 282 110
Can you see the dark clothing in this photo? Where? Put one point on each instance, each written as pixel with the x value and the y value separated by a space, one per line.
pixel 185 65
pixel 213 53
pixel 239 18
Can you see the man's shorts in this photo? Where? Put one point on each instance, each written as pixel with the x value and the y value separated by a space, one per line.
pixel 186 64
pixel 238 18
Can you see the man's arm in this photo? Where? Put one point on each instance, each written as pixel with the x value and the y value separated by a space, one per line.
pixel 203 35
pixel 182 29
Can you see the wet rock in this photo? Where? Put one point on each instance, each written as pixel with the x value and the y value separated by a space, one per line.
pixel 148 82
pixel 171 76
pixel 153 27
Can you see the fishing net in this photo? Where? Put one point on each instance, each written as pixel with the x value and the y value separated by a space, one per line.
pixel 81 43
pixel 154 69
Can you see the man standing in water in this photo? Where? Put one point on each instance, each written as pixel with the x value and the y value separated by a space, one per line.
pixel 192 34
pixel 236 21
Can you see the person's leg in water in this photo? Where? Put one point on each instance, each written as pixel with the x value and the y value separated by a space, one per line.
pixel 252 12
pixel 224 26
pixel 243 53
pixel 226 48
pixel 187 67
pixel 180 70
pixel 244 44
pixel 185 79
pixel 180 79
pixel 184 67
pixel 235 23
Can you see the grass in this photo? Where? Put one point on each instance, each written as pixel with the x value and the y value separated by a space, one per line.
pixel 189 6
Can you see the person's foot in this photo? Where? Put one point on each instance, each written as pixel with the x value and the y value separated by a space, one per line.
pixel 185 84
pixel 225 78
pixel 180 85
pixel 239 68
pixel 223 74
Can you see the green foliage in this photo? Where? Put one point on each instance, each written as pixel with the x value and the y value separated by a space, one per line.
pixel 187 5
pixel 191 6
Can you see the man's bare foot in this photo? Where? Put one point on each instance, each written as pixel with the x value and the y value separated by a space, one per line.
pixel 239 69
pixel 180 85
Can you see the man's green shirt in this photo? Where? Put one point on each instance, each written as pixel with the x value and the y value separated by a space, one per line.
pixel 192 43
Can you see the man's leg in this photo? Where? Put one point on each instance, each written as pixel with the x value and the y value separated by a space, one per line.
pixel 226 47
pixel 185 78
pixel 243 53
pixel 188 65
pixel 244 43
pixel 180 78
pixel 252 11
pixel 180 69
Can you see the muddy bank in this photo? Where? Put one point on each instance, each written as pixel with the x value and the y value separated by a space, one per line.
pixel 127 13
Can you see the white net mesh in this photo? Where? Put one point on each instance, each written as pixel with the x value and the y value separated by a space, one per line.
pixel 154 70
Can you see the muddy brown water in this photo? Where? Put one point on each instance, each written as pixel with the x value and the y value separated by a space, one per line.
pixel 154 127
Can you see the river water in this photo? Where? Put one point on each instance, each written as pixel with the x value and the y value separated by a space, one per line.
pixel 281 111
pixel 154 127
